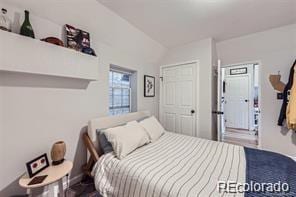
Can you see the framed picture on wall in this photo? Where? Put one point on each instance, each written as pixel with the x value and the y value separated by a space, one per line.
pixel 149 86
pixel 238 71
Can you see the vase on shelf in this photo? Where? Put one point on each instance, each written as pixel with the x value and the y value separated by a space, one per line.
pixel 5 23
pixel 26 28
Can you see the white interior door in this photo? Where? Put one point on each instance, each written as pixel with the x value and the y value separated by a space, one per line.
pixel 236 107
pixel 178 98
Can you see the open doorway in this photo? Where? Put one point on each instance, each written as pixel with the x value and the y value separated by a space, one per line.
pixel 240 104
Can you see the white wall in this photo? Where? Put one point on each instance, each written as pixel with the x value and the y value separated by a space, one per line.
pixel 35 116
pixel 276 50
pixel 1 134
pixel 39 110
pixel 202 51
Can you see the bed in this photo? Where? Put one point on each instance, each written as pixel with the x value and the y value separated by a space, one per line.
pixel 179 165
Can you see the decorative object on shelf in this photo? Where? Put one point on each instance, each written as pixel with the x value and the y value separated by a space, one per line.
pixel 58 152
pixel 77 39
pixel 149 86
pixel 89 51
pixel 53 40
pixel 26 28
pixel 37 165
pixel 276 82
pixel 5 23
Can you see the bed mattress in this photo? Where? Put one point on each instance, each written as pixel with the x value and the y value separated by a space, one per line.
pixel 174 165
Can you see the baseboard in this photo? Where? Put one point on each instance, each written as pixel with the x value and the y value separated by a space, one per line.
pixel 74 180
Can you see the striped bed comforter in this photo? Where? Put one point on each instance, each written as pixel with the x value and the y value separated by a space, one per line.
pixel 174 165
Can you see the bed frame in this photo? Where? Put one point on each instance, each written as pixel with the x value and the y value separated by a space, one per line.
pixel 90 137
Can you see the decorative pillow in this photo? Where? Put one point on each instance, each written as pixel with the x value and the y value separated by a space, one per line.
pixel 153 128
pixel 127 138
pixel 106 146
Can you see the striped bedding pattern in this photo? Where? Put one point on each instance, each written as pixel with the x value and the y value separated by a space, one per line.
pixel 174 165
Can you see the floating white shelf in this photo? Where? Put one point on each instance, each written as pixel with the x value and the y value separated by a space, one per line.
pixel 26 55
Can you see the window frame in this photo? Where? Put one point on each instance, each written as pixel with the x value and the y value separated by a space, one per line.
pixel 112 87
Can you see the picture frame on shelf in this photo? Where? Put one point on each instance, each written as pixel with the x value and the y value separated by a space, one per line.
pixel 37 165
pixel 77 39
pixel 149 86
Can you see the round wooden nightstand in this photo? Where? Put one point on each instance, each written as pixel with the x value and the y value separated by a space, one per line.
pixel 54 174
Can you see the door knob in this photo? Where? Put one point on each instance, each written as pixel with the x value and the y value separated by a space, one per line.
pixel 218 112
pixel 192 111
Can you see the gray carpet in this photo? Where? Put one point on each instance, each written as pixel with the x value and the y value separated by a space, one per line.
pixel 85 188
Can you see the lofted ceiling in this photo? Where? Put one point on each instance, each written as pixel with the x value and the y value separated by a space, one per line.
pixel 176 22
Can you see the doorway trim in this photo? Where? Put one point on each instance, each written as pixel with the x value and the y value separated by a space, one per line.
pixel 259 62
pixel 197 64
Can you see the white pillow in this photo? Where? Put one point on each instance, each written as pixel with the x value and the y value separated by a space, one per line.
pixel 153 128
pixel 127 138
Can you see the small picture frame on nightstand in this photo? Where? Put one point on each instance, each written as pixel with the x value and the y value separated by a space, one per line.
pixel 37 165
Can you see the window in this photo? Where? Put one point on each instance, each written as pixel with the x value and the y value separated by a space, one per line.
pixel 119 92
